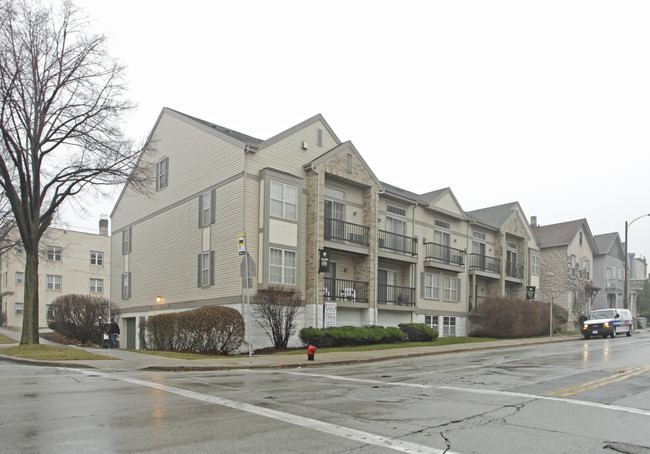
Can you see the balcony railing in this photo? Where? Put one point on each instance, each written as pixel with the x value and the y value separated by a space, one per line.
pixel 481 262
pixel 400 244
pixel 346 232
pixel 444 254
pixel 614 284
pixel 398 296
pixel 345 290
pixel 513 269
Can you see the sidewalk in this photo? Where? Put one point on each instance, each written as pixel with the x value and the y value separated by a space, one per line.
pixel 122 360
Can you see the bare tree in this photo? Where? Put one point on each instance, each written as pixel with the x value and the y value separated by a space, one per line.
pixel 8 235
pixel 61 105
pixel 276 309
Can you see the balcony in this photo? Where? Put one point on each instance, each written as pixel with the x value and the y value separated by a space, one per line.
pixel 345 290
pixel 479 262
pixel 614 285
pixel 396 296
pixel 346 232
pixel 513 269
pixel 399 244
pixel 438 253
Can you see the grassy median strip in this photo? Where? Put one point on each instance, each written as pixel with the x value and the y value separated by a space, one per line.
pixel 50 353
pixel 7 340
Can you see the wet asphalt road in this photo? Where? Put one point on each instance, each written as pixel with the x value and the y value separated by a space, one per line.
pixel 580 396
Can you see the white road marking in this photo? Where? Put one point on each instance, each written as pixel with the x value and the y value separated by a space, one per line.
pixel 556 399
pixel 321 426
pixel 358 380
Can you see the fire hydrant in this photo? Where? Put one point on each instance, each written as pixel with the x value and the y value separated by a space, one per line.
pixel 311 351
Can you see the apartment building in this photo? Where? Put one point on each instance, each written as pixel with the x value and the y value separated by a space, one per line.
pixel 505 259
pixel 70 262
pixel 392 256
pixel 609 271
pixel 567 252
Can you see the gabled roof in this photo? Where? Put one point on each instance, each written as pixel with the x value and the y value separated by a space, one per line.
pixel 403 194
pixel 606 242
pixel 563 234
pixel 227 131
pixel 347 145
pixel 496 216
pixel 299 126
pixel 433 198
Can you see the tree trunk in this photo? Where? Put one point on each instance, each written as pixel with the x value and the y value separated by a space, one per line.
pixel 30 302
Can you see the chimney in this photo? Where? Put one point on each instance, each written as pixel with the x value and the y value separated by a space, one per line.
pixel 103 227
pixel 533 221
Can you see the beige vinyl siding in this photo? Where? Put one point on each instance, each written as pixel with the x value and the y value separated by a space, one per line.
pixel 196 159
pixel 448 203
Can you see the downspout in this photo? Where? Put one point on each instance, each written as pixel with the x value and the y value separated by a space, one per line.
pixel 317 255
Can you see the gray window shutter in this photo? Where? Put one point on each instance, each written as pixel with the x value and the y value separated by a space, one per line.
pixel 130 245
pixel 458 289
pixel 201 210
pixel 199 273
pixel 213 205
pixel 123 289
pixel 167 170
pixel 422 285
pixel 128 288
pixel 211 267
pixel 157 175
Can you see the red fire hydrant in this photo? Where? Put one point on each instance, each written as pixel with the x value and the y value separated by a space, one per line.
pixel 311 351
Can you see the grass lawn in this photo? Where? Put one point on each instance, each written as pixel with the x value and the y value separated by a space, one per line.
pixel 6 340
pixel 50 353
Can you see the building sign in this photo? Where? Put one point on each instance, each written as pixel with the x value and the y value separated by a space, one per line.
pixel 530 292
pixel 324 261
pixel 330 314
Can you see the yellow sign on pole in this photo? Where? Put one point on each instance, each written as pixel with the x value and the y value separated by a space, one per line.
pixel 241 245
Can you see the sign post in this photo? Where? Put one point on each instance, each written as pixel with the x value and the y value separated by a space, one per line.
pixel 247 267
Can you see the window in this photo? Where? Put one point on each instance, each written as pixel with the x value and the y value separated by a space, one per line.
pixel 395 210
pixel 207 208
pixel 432 321
pixel 126 240
pixel 96 286
pixel 20 277
pixel 206 269
pixel 96 258
pixel 349 163
pixel 431 286
pixel 284 201
pixel 448 326
pixel 451 289
pixel 162 174
pixel 573 265
pixel 53 282
pixel 126 286
pixel 282 267
pixel 54 253
pixel 19 308
pixel 443 224
pixel 535 264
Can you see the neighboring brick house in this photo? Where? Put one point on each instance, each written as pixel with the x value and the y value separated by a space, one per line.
pixel 394 256
pixel 70 262
pixel 568 251
pixel 609 271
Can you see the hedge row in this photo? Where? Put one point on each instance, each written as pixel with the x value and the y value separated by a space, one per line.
pixel 208 329
pixel 418 332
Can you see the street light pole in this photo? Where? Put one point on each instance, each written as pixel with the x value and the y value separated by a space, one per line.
pixel 627 224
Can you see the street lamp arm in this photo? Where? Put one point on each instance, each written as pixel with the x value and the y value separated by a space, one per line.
pixel 627 224
pixel 636 219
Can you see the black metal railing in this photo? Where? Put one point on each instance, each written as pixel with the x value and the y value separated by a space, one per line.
pixel 398 243
pixel 345 290
pixel 444 254
pixel 513 269
pixel 484 263
pixel 346 232
pixel 395 295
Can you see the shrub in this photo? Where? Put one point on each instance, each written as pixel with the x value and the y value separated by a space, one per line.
pixel 510 318
pixel 208 329
pixel 80 317
pixel 418 332
pixel 276 309
pixel 342 336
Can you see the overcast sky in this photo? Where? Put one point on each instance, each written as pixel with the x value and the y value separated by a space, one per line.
pixel 546 103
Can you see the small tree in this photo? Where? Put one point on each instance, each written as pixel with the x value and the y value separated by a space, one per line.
pixel 276 309
pixel 643 300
